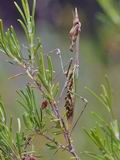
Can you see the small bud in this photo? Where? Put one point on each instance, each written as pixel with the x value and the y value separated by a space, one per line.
pixel 44 104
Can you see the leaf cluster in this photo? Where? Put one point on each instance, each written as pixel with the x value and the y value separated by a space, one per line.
pixel 34 117
pixel 9 43
pixel 105 135
pixel 111 10
pixel 10 147
pixel 14 147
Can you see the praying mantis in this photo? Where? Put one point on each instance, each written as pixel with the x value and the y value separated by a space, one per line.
pixel 72 73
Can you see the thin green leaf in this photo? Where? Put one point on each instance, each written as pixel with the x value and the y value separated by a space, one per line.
pixel 1 30
pixel 33 14
pixel 18 141
pixel 50 68
pixel 50 146
pixel 10 125
pixel 109 90
pixel 42 70
pixel 2 112
pixel 55 90
pixel 20 11
pixel 37 46
pixel 115 129
pixel 33 9
pixel 94 94
pixel 27 122
pixel 26 9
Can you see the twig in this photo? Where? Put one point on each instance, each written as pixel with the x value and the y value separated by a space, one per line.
pixel 67 135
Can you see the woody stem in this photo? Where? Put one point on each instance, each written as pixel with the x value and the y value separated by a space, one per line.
pixel 67 135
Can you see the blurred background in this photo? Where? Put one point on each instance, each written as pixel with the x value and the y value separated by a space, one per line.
pixel 99 55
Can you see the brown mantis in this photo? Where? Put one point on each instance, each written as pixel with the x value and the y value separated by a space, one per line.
pixel 72 73
pixel 73 70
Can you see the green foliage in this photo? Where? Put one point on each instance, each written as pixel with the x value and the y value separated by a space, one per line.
pixel 9 43
pixel 106 96
pixel 10 147
pixel 27 22
pixel 46 77
pixel 33 115
pixel 112 11
pixel 14 147
pixel 105 135
pixel 2 112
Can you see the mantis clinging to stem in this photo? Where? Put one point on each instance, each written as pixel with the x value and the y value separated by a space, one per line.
pixel 73 72
pixel 73 69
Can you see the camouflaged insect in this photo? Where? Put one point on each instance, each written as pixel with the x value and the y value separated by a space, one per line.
pixel 70 74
